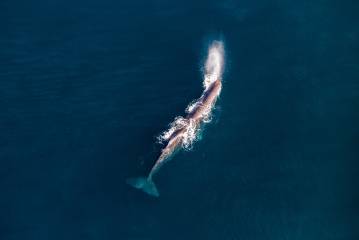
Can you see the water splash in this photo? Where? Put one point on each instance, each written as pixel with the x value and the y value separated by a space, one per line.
pixel 179 123
pixel 213 70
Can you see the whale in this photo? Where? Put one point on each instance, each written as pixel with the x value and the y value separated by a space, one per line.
pixel 193 119
pixel 184 131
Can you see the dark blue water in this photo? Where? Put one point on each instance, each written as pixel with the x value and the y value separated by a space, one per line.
pixel 86 86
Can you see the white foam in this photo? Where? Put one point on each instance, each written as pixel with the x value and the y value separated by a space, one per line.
pixel 213 70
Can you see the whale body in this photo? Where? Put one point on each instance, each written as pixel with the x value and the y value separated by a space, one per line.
pixel 175 140
pixel 184 130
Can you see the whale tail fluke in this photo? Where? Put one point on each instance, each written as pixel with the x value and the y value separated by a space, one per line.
pixel 144 184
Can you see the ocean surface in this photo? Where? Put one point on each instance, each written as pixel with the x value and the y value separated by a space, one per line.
pixel 87 86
